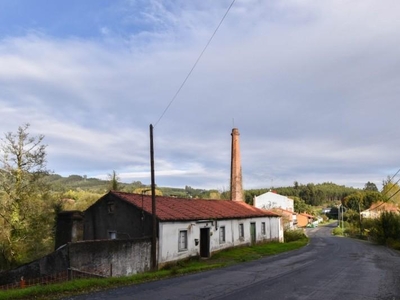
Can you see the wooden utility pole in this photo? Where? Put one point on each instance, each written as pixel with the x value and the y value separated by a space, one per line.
pixel 153 204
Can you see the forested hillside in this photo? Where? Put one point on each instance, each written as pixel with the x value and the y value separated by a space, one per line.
pixel 95 185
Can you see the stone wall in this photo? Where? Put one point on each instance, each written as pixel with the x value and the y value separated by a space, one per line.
pixel 50 264
pixel 111 257
pixel 104 258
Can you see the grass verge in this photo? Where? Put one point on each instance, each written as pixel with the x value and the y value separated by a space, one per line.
pixel 218 260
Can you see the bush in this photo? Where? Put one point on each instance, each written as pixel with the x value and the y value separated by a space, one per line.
pixel 293 235
pixel 337 231
pixel 385 230
pixel 392 243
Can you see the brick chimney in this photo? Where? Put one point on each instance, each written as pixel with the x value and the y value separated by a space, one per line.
pixel 236 168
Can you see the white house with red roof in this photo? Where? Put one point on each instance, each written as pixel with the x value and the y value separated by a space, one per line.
pixel 282 204
pixel 378 208
pixel 185 227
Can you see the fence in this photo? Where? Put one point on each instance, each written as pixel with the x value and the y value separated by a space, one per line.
pixel 67 275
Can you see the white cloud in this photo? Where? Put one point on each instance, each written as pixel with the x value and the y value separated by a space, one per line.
pixel 312 87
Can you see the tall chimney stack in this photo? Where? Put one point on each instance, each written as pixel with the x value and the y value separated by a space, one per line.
pixel 236 168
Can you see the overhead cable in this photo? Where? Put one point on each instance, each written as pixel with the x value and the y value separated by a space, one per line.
pixel 195 64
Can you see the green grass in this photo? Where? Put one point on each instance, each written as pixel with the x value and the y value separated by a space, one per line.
pixel 192 265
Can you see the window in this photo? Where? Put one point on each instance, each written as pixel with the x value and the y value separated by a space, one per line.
pixel 263 228
pixel 241 230
pixel 182 240
pixel 110 207
pixel 222 234
pixel 112 235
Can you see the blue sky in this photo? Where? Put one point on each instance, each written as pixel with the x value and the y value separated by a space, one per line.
pixel 312 86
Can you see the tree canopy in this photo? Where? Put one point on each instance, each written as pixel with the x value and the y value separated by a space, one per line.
pixel 24 198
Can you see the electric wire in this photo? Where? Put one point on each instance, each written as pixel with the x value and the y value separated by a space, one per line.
pixel 195 64
pixel 394 175
pixel 393 195
pixel 393 184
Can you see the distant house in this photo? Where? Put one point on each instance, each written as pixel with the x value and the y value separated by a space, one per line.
pixel 280 204
pixel 289 218
pixel 326 210
pixel 304 219
pixel 378 208
pixel 185 227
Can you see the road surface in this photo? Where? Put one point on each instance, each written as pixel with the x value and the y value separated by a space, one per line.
pixel 328 268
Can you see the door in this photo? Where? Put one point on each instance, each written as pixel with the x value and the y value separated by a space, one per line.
pixel 204 242
pixel 253 233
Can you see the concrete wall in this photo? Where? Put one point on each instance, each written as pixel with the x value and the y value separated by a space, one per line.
pixel 169 236
pixel 111 257
pixel 302 220
pixel 105 258
pixel 51 264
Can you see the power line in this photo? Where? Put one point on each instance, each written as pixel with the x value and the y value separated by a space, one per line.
pixel 390 180
pixel 394 194
pixel 195 64
pixel 394 175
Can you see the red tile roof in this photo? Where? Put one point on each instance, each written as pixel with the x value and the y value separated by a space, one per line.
pixel 307 215
pixel 175 209
pixel 284 211
pixel 384 206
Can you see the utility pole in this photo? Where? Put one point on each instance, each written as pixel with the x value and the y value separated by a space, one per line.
pixel 359 212
pixel 153 204
pixel 342 218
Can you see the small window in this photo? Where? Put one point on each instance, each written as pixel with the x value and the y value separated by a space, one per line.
pixel 241 230
pixel 263 228
pixel 182 240
pixel 222 234
pixel 110 207
pixel 112 235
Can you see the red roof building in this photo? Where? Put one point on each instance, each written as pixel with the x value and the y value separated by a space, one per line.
pixel 185 227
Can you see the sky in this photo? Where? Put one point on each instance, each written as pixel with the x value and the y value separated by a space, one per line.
pixel 312 86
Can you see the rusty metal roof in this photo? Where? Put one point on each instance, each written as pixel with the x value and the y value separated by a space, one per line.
pixel 175 209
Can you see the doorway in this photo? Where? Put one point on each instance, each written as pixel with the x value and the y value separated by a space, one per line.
pixel 204 242
pixel 253 233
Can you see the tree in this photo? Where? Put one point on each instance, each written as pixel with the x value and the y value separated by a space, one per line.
pixel 370 186
pixel 391 191
pixel 354 201
pixel 24 199
pixel 114 181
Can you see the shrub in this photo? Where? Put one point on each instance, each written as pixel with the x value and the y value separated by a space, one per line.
pixel 337 231
pixel 293 235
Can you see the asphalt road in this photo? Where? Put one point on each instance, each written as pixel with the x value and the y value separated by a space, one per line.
pixel 328 268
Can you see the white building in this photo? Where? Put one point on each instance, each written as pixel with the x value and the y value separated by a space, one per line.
pixel 272 200
pixel 186 227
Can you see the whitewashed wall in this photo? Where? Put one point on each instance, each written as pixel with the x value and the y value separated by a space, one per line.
pixel 169 236
pixel 271 200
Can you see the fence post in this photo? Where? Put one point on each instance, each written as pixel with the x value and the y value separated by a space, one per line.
pixel 111 270
pixel 69 272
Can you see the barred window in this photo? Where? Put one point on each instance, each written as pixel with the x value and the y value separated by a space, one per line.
pixel 263 228
pixel 222 234
pixel 183 245
pixel 241 230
